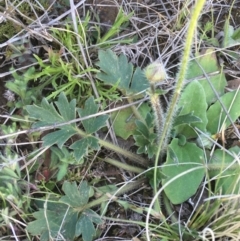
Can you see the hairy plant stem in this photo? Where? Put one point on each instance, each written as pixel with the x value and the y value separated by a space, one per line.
pixel 135 110
pixel 123 166
pixel 133 157
pixel 158 111
pixel 106 196
pixel 178 88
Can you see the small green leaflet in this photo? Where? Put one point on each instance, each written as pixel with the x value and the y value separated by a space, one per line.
pixel 116 69
pixel 81 147
pixel 144 137
pixel 85 225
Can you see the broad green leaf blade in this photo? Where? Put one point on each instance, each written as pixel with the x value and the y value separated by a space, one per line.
pixel 193 101
pixel 114 69
pixel 123 125
pixel 81 147
pixel 85 228
pixel 208 61
pixel 189 156
pixel 139 82
pixel 124 121
pixel 67 110
pixel 216 115
pixel 227 179
pixel 54 221
pixel 74 196
pixel 94 124
pixel 58 137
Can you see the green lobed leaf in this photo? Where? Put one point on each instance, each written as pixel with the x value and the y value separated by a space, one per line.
pixel 193 102
pixel 94 124
pixel 188 156
pixel 209 64
pixel 82 146
pixel 74 196
pixel 216 115
pixel 146 145
pixel 117 69
pixel 114 69
pixel 54 221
